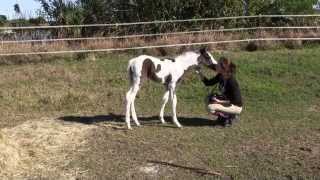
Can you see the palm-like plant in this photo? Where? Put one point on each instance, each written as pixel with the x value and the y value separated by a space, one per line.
pixel 16 8
pixel 61 12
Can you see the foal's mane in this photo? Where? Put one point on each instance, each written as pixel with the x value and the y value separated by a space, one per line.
pixel 186 53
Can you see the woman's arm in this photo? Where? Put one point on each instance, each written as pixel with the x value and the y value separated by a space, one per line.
pixel 206 81
pixel 223 102
pixel 209 82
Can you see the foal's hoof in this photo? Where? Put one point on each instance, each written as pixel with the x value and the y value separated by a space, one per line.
pixel 138 124
pixel 179 126
pixel 162 120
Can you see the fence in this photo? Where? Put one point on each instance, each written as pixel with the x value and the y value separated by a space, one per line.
pixel 40 40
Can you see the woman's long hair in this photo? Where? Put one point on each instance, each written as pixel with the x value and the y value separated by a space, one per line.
pixel 228 66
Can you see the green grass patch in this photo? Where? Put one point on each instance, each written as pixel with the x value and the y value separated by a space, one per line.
pixel 277 137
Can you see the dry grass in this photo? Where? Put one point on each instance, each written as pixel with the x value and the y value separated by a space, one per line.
pixel 42 148
pixel 162 40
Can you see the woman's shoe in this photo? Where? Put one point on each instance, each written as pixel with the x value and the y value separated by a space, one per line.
pixel 220 121
pixel 227 122
pixel 234 118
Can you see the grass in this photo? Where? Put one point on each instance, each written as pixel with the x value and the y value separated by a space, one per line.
pixel 277 138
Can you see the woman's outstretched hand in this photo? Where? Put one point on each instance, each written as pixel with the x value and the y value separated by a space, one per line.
pixel 198 71
pixel 218 101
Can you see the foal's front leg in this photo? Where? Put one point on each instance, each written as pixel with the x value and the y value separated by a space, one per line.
pixel 174 105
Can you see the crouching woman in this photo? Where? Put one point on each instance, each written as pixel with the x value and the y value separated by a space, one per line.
pixel 228 105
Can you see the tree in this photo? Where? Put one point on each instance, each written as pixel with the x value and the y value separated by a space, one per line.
pixel 3 20
pixel 61 12
pixel 97 11
pixel 245 7
pixel 16 8
pixel 37 21
pixel 281 6
pixel 119 11
pixel 298 6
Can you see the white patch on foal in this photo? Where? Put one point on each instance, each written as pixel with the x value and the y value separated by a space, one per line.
pixel 165 71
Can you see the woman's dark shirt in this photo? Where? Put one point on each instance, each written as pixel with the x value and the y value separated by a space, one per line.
pixel 230 88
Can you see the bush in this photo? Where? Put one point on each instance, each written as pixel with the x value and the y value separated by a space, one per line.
pixel 252 46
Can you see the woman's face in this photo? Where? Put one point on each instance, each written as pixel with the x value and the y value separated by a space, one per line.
pixel 220 68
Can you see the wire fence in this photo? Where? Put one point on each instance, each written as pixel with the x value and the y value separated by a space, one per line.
pixel 40 40
pixel 161 46
pixel 164 22
pixel 162 34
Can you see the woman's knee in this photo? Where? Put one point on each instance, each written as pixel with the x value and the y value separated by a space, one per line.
pixel 211 108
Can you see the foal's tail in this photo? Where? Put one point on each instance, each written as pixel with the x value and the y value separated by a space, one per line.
pixel 130 74
pixel 130 71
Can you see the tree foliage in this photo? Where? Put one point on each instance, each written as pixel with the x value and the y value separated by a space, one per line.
pixel 280 6
pixel 119 11
pixel 17 9
pixel 3 20
pixel 61 11
pixel 103 11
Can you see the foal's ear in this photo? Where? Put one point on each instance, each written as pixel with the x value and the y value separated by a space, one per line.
pixel 204 53
pixel 203 50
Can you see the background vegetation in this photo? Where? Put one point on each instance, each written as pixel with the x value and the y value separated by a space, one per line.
pixel 65 12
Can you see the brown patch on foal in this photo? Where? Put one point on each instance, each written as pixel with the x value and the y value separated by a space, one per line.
pixel 149 70
pixel 131 74
pixel 168 80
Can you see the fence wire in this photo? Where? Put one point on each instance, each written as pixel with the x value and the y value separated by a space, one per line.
pixel 39 40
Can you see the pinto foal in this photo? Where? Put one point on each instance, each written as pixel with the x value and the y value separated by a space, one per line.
pixel 165 71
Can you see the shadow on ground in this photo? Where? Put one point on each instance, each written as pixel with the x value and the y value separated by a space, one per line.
pixel 148 121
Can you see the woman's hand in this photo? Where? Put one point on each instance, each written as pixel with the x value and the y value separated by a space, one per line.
pixel 218 101
pixel 198 71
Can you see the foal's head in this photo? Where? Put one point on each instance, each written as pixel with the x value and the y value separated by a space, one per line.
pixel 206 58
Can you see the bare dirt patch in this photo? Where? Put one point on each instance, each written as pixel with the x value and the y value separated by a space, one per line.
pixel 314 108
pixel 296 153
pixel 42 148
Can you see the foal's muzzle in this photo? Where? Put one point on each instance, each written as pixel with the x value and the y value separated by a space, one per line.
pixel 213 66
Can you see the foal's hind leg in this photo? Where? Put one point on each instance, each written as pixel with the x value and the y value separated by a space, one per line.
pixel 133 110
pixel 174 113
pixel 164 102
pixel 174 105
pixel 128 106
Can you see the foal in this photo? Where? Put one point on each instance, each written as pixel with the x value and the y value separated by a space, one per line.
pixel 165 71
